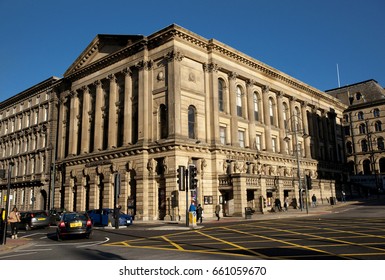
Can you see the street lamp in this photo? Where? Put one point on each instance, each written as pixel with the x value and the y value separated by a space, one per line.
pixel 295 131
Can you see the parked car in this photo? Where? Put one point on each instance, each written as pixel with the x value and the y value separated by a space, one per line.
pixel 55 215
pixel 33 219
pixel 74 224
pixel 105 216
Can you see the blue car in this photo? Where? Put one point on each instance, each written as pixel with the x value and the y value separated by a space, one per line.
pixel 105 217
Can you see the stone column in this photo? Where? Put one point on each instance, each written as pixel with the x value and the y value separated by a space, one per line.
pixel 281 123
pixel 326 136
pixel 127 136
pixel 266 113
pixel 233 108
pixel 144 126
pixel 305 126
pixel 174 97
pixel 85 139
pixel 74 128
pixel 61 128
pixel 212 110
pixel 316 137
pixel 240 199
pixel 112 114
pixel 250 107
pixel 98 137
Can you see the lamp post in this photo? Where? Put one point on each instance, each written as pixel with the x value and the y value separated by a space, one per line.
pixel 295 130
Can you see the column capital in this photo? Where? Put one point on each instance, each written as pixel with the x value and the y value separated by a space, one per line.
pixel 280 94
pixel 210 67
pixel 174 56
pixel 111 77
pixel 250 83
pixel 127 71
pixel 265 89
pixel 98 83
pixel 232 75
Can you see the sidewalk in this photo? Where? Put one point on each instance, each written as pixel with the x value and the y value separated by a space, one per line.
pixel 13 244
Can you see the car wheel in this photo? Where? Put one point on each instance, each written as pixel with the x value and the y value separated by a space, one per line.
pixel 27 227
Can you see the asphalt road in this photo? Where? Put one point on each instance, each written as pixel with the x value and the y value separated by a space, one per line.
pixel 354 231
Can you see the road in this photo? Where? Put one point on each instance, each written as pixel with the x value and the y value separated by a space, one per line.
pixel 354 231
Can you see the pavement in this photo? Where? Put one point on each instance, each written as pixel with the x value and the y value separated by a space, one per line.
pixel 14 244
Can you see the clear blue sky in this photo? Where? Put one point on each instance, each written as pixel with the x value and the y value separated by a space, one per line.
pixel 303 38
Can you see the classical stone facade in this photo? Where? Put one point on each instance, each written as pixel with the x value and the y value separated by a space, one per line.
pixel 132 109
pixel 141 106
pixel 27 140
pixel 364 135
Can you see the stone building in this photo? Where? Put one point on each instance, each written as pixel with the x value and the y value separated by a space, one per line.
pixel 364 135
pixel 27 140
pixel 133 108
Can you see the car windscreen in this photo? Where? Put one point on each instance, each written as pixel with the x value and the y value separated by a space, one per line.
pixel 74 217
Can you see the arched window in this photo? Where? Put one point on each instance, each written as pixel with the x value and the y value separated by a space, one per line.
pixel 382 165
pixel 378 126
pixel 360 115
pixel 362 128
pixel 191 122
pixel 256 106
pixel 366 167
pixel 376 113
pixel 349 147
pixel 221 101
pixel 364 145
pixel 163 121
pixel 239 101
pixel 271 111
pixel 380 143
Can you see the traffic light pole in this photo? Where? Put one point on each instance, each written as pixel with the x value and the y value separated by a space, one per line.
pixel 186 185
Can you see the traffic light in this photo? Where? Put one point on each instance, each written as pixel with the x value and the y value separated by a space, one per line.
pixel 308 182
pixel 192 172
pixel 180 178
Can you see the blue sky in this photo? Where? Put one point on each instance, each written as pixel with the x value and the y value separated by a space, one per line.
pixel 303 38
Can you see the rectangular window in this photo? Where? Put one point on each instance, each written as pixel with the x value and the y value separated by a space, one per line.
pixel 241 138
pixel 274 144
pixel 258 139
pixel 222 134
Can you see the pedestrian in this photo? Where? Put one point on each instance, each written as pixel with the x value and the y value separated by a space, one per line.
pixel 14 220
pixel 286 203
pixel 277 204
pixel 314 200
pixel 117 215
pixel 343 196
pixel 199 213
pixel 217 210
pixel 192 207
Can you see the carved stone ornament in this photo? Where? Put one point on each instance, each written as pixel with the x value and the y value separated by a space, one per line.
pixel 160 76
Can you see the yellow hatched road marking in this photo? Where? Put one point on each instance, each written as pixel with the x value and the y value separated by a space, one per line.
pixel 172 243
pixel 234 245
pixel 282 241
pixel 326 238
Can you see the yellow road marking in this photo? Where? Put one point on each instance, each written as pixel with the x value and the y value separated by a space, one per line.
pixel 325 238
pixel 172 243
pixel 234 245
pixel 284 242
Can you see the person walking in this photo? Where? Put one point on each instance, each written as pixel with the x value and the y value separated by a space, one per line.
pixel 314 200
pixel 217 210
pixel 14 220
pixel 199 213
